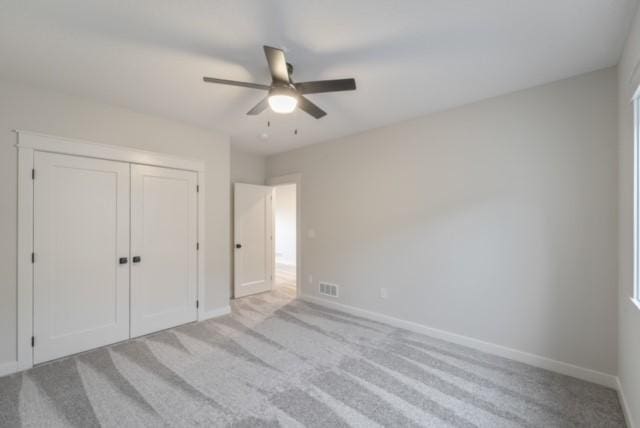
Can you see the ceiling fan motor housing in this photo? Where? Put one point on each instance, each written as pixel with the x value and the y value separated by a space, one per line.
pixel 283 89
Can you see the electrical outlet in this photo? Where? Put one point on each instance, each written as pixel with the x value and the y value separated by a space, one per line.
pixel 384 293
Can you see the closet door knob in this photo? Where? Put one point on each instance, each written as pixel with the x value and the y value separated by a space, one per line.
pixel 136 259
pixel 238 245
pixel 123 260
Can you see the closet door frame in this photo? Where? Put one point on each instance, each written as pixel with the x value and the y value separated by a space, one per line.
pixel 30 142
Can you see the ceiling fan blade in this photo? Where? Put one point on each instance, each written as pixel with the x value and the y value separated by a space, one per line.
pixel 236 83
pixel 326 86
pixel 260 107
pixel 305 105
pixel 277 64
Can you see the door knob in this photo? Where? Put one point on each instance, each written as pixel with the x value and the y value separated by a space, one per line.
pixel 123 260
pixel 136 259
pixel 238 245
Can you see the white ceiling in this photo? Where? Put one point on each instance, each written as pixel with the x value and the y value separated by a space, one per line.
pixel 409 57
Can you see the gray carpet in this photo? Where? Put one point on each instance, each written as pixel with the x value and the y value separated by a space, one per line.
pixel 279 362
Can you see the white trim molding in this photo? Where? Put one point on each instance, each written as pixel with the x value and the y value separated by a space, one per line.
pixel 626 409
pixel 608 380
pixel 215 313
pixel 201 244
pixel 24 317
pixel 30 142
pixel 636 94
pixel 71 146
pixel 636 196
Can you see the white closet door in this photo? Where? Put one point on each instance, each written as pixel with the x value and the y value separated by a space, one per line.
pixel 81 230
pixel 164 238
pixel 253 233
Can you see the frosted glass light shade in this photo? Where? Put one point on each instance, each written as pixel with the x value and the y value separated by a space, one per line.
pixel 281 103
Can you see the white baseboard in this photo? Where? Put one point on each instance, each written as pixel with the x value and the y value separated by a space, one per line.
pixel 214 313
pixel 625 405
pixel 583 373
pixel 13 367
pixel 8 368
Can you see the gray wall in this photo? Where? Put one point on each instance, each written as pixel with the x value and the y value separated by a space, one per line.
pixel 247 168
pixel 27 108
pixel 629 321
pixel 495 220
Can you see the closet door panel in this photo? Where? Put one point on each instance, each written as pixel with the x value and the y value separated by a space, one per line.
pixel 164 237
pixel 81 230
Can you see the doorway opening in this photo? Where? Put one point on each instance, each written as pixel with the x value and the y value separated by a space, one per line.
pixel 285 234
pixel 267 247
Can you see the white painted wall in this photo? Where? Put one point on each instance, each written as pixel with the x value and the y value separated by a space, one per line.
pixel 629 314
pixel 495 220
pixel 247 167
pixel 28 108
pixel 285 209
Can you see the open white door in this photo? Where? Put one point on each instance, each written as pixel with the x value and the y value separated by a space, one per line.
pixel 253 235
pixel 164 266
pixel 81 243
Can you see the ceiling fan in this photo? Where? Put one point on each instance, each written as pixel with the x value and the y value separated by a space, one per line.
pixel 285 95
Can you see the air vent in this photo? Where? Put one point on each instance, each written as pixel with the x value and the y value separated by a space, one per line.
pixel 327 289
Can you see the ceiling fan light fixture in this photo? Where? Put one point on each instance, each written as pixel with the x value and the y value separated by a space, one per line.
pixel 283 100
pixel 284 96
